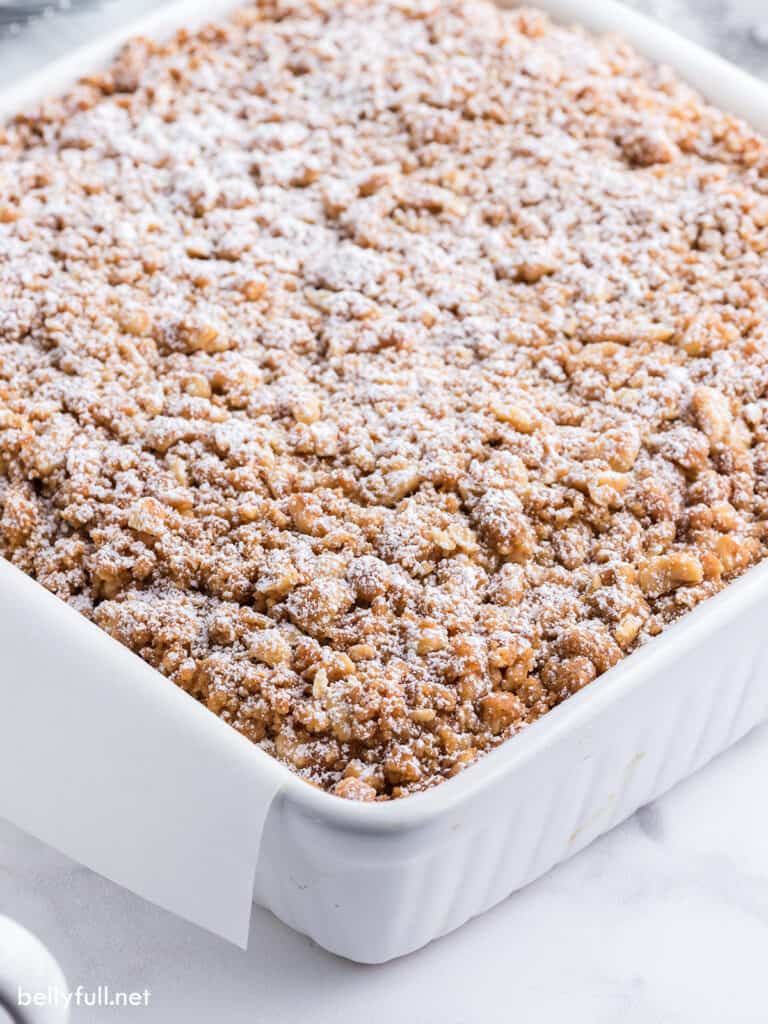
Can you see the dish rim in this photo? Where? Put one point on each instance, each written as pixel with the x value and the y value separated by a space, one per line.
pixel 722 83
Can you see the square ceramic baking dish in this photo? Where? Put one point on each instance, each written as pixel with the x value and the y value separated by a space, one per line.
pixel 373 882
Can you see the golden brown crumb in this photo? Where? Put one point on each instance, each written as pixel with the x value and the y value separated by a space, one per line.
pixel 354 789
pixel 382 372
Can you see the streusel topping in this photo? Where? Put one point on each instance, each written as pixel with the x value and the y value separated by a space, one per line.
pixel 382 372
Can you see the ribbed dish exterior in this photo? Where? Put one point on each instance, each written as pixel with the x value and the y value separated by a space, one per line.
pixel 374 896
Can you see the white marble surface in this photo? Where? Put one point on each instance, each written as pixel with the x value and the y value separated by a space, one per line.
pixel 663 920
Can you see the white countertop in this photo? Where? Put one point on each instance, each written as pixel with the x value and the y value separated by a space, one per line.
pixel 664 919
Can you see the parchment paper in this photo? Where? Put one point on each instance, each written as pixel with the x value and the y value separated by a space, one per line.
pixel 104 759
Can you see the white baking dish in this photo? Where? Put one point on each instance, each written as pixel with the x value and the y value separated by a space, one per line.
pixel 374 882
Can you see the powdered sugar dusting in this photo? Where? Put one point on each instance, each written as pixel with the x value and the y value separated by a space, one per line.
pixel 382 372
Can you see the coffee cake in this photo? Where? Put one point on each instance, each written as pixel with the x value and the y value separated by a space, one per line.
pixel 382 372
